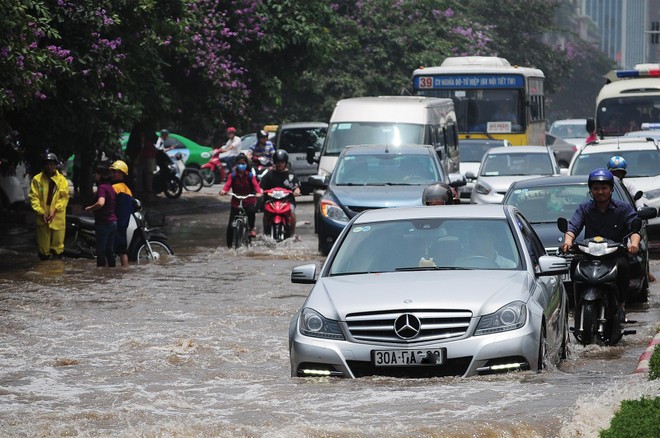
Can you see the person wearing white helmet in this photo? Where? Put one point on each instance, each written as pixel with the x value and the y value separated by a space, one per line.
pixel 123 208
pixel 49 197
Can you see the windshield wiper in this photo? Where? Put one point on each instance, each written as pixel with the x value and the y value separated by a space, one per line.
pixel 432 268
pixel 351 184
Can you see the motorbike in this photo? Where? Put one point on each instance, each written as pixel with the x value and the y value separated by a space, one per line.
pixel 215 171
pixel 262 165
pixel 144 243
pixel 166 178
pixel 594 277
pixel 278 207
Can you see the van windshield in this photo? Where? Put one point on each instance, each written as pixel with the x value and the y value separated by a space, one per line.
pixel 344 134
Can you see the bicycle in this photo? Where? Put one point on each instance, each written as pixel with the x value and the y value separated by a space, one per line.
pixel 240 225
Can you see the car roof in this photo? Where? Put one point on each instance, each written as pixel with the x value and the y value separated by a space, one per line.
pixel 485 142
pixel 619 143
pixel 292 125
pixel 552 180
pixel 478 211
pixel 569 122
pixel 370 149
pixel 518 150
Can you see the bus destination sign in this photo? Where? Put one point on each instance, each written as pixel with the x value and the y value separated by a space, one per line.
pixel 469 81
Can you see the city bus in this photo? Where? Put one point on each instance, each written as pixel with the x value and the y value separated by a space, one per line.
pixel 492 98
pixel 630 99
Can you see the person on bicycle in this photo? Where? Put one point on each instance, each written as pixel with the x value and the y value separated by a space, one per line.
pixel 262 146
pixel 280 176
pixel 608 218
pixel 242 182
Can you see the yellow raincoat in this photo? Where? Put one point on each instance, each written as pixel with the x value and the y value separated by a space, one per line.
pixel 50 237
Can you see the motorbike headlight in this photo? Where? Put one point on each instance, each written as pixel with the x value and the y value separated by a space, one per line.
pixel 316 325
pixel 331 210
pixel 597 249
pixel 510 317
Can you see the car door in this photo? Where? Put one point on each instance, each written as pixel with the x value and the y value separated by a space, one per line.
pixel 296 140
pixel 549 291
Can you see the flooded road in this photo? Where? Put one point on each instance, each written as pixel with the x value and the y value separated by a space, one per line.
pixel 196 345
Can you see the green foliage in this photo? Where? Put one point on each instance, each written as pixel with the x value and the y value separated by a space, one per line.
pixel 635 418
pixel 654 364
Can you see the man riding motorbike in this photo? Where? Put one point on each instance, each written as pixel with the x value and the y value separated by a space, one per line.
pixel 608 218
pixel 262 146
pixel 281 177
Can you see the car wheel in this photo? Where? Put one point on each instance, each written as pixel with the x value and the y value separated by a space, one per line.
pixel 543 346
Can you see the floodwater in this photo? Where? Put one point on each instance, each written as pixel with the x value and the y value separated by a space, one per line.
pixel 196 345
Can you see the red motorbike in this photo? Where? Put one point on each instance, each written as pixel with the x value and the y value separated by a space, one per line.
pixel 215 171
pixel 277 208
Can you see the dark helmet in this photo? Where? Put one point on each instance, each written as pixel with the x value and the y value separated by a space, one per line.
pixel 49 156
pixel 280 155
pixel 617 162
pixel 262 134
pixel 164 132
pixel 438 193
pixel 242 157
pixel 601 175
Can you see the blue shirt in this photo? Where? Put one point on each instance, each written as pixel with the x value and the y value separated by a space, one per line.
pixel 613 224
pixel 258 150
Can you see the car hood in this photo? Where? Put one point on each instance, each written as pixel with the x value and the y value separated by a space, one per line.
pixel 550 234
pixel 335 297
pixel 378 196
pixel 502 183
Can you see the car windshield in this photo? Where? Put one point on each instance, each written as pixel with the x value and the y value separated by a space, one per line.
pixel 386 169
pixel 344 134
pixel 546 204
pixel 427 244
pixel 567 130
pixel 519 163
pixel 642 163
pixel 473 152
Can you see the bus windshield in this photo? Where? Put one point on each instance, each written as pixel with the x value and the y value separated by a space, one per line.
pixel 343 134
pixel 616 116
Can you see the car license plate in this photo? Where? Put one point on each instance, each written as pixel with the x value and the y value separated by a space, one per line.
pixel 407 358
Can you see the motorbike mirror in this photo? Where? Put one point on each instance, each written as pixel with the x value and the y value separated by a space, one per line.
pixel 591 125
pixel 638 195
pixel 137 205
pixel 562 224
pixel 636 225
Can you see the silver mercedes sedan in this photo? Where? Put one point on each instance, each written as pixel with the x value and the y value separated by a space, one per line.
pixel 453 290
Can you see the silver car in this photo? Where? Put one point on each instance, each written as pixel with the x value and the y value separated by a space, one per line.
pixel 431 291
pixel 502 166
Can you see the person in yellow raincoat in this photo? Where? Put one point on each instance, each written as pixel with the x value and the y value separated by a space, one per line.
pixel 49 196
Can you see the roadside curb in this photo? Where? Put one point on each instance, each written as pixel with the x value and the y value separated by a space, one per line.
pixel 643 366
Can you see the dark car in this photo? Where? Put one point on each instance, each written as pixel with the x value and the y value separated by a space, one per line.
pixel 375 176
pixel 297 139
pixel 563 149
pixel 544 200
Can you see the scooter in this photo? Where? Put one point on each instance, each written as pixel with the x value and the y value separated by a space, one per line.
pixel 215 170
pixel 262 165
pixel 278 209
pixel 166 178
pixel 597 315
pixel 144 243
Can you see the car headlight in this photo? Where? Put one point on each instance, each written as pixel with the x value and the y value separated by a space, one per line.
pixel 316 325
pixel 652 194
pixel 510 317
pixel 482 188
pixel 331 210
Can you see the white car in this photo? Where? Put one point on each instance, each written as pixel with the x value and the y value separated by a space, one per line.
pixel 454 290
pixel 642 156
pixel 570 130
pixel 500 167
pixel 472 151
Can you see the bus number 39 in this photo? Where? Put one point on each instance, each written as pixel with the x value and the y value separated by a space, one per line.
pixel 425 82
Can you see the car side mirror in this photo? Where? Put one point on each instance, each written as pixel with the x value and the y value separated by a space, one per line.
pixel 470 175
pixel 562 224
pixel 304 274
pixel 319 181
pixel 311 155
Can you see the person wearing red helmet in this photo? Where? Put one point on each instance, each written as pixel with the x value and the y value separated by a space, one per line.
pixel 231 148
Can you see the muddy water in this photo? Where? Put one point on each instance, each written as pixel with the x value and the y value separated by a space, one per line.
pixel 196 345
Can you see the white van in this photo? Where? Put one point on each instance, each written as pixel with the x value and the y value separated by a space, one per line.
pixel 392 120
